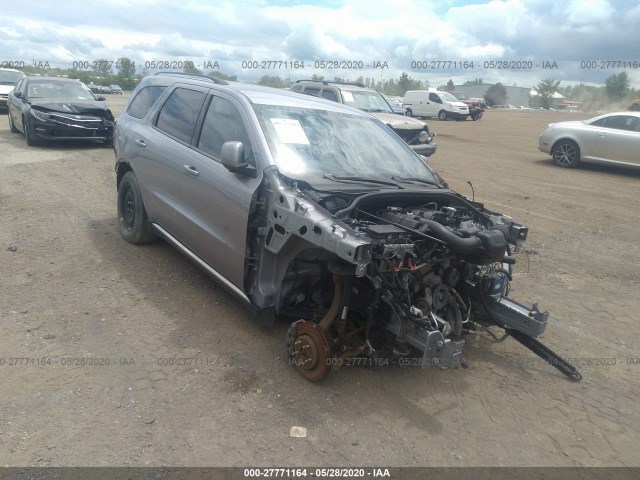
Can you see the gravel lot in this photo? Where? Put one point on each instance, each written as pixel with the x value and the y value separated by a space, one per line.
pixel 71 289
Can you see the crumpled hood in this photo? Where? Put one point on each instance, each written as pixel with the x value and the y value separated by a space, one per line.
pixel 400 122
pixel 77 107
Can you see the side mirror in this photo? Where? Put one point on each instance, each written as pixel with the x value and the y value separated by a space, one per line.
pixel 232 156
pixel 17 94
pixel 100 98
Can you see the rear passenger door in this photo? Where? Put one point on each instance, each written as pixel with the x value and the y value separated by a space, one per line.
pixel 164 147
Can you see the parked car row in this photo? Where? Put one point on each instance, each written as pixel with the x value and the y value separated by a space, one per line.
pixel 54 108
pixel 103 89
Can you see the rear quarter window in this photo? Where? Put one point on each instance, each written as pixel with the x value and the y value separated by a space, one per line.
pixel 144 100
pixel 330 95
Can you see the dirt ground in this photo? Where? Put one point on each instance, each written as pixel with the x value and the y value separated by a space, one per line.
pixel 73 292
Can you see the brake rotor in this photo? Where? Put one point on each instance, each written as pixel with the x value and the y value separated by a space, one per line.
pixel 309 350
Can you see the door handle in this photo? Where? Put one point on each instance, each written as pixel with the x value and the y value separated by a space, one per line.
pixel 191 170
pixel 140 142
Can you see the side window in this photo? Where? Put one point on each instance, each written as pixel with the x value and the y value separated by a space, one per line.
pixel 312 91
pixel 621 122
pixel 223 123
pixel 600 123
pixel 434 98
pixel 179 114
pixel 144 100
pixel 296 88
pixel 330 95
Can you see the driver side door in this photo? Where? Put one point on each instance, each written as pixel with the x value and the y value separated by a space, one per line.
pixel 219 200
pixel 619 140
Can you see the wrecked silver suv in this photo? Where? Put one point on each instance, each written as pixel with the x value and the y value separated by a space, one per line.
pixel 289 203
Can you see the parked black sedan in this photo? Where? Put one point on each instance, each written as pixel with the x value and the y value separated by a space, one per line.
pixel 52 108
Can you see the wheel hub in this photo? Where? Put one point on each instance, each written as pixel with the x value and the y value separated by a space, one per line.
pixel 308 350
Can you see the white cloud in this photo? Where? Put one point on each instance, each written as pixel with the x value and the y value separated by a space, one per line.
pixel 367 30
pixel 588 12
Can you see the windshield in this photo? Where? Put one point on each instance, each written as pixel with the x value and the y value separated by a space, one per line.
pixel 10 78
pixel 367 101
pixel 59 90
pixel 448 97
pixel 309 143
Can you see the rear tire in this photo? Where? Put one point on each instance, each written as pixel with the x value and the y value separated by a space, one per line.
pixel 442 115
pixel 409 112
pixel 132 217
pixel 566 154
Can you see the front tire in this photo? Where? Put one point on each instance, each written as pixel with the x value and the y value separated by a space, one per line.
pixel 132 217
pixel 442 115
pixel 409 112
pixel 566 154
pixel 32 142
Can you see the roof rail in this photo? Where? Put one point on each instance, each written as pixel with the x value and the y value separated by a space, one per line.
pixel 196 75
pixel 327 82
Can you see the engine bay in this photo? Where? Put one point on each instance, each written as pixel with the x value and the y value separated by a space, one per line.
pixel 387 275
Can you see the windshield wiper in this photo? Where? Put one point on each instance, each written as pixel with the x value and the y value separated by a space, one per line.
pixel 356 179
pixel 415 179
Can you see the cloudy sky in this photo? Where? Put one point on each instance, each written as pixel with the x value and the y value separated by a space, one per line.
pixel 582 37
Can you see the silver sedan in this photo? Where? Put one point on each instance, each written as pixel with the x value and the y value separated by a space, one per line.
pixel 610 138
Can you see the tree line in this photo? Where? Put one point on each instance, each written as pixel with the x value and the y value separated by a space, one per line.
pixel 123 73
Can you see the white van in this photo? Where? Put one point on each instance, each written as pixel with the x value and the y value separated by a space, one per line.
pixel 434 103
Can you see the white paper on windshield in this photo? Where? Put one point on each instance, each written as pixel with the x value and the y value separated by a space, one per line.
pixel 347 96
pixel 289 130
